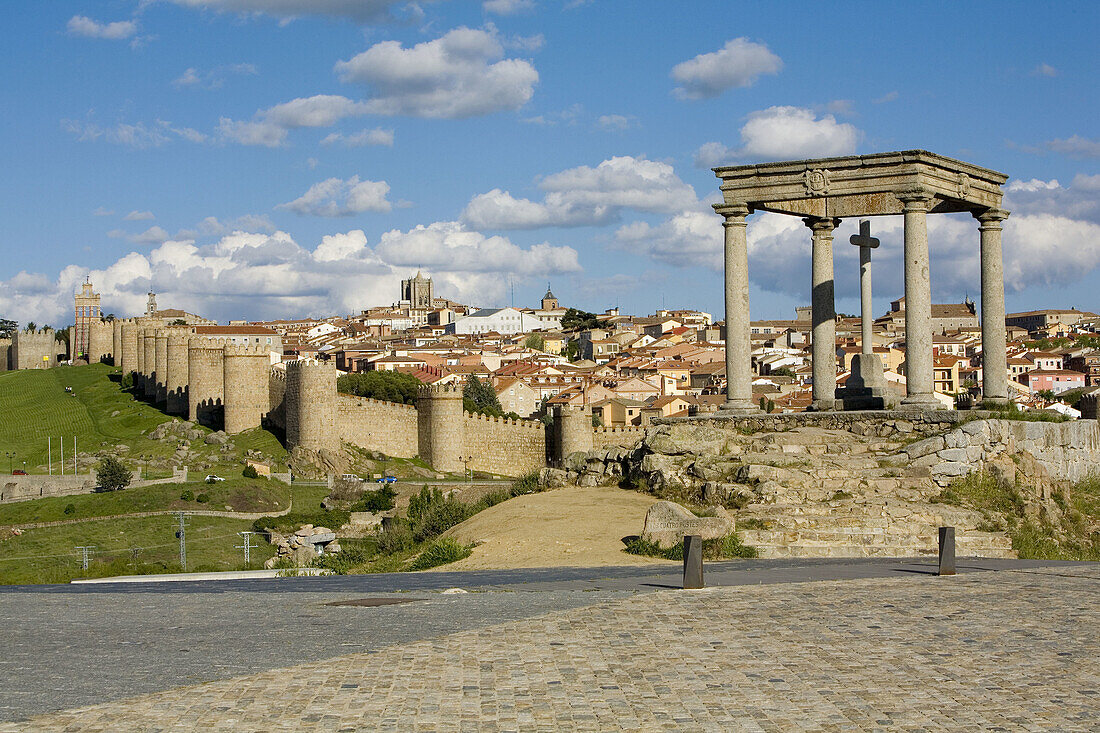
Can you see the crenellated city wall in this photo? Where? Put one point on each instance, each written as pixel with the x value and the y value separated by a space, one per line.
pixel 500 445
pixel 388 427
pixel 625 437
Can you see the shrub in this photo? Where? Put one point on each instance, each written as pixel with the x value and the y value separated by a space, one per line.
pixel 250 472
pixel 526 484
pixel 112 475
pixel 332 518
pixel 187 495
pixel 127 381
pixel 375 501
pixel 441 552
pixel 349 557
pixel 722 548
pixel 70 508
pixel 431 513
pixel 203 498
pixel 397 538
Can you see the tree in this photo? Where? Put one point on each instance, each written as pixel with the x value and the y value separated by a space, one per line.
pixel 8 328
pixel 578 320
pixel 112 475
pixel 571 351
pixel 535 341
pixel 479 396
pixel 381 385
pixel 31 327
pixel 783 372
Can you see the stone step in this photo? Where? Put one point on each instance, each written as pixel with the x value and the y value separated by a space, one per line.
pixel 862 537
pixel 851 551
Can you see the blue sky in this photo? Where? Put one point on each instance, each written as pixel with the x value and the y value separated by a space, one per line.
pixel 281 158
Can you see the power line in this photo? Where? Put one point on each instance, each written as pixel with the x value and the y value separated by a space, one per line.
pixel 247 544
pixel 85 552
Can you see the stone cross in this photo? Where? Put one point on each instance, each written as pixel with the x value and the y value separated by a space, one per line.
pixel 866 243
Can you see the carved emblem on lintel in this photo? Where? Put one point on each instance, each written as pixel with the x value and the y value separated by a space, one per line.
pixel 817 182
pixel 963 185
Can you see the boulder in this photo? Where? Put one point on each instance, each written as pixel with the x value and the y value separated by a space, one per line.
pixel 667 522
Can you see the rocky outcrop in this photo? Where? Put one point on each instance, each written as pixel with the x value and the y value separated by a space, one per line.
pixel 303 546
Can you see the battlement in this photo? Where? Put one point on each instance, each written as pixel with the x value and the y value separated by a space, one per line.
pixel 206 343
pixel 178 338
pixel 303 364
pixel 529 424
pixel 623 429
pixel 445 391
pixel 364 401
pixel 277 373
pixel 250 350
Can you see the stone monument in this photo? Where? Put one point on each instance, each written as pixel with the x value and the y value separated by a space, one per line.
pixel 866 385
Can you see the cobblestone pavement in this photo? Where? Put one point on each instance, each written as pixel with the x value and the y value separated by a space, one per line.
pixel 1012 650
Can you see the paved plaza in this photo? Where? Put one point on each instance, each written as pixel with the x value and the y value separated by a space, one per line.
pixel 1014 649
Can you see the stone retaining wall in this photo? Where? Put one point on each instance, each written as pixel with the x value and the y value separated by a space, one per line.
pixel 1067 451
pixel 881 423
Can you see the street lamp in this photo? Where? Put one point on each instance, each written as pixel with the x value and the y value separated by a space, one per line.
pixel 10 455
pixel 465 466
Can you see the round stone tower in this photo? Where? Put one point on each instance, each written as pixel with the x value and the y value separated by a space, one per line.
pixel 116 342
pixel 150 342
pixel 311 404
pixel 99 341
pixel 440 427
pixel 129 347
pixel 246 370
pixel 176 372
pixel 573 428
pixel 161 368
pixel 205 381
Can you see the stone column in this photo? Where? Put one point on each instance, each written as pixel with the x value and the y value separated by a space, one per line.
pixel 738 343
pixel 866 314
pixel 919 383
pixel 994 360
pixel 824 314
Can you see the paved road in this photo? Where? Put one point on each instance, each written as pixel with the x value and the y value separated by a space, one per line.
pixel 69 646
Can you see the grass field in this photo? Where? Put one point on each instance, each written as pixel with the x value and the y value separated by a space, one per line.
pixel 126 546
pixel 35 406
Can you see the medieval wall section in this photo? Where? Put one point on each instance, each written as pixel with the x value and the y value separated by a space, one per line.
pixel 5 354
pixel 206 380
pixel 246 370
pixel 176 372
pixel 100 341
pixel 627 437
pixel 35 350
pixel 276 397
pixel 503 446
pixel 129 349
pixel 388 427
pixel 311 405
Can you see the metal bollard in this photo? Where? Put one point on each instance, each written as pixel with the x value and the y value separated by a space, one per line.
pixel 947 550
pixel 693 561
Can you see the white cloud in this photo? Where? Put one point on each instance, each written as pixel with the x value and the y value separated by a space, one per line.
pixel 139 136
pixel 738 64
pixel 152 235
pixel 461 74
pixel 251 133
pixel 507 7
pixel 139 216
pixel 320 110
pixel 103 211
pixel 616 123
pixel 885 98
pixel 337 197
pixel 1075 146
pixel 1079 200
pixel 377 136
pixel 363 11
pixel 1044 70
pixel 585 196
pixel 779 133
pixel 214 78
pixel 711 155
pixel 254 275
pixel 120 30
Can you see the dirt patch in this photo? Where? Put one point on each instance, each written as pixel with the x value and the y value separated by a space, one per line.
pixel 572 526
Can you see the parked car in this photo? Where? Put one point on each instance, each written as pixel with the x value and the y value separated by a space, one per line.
pixel 213 479
pixel 388 480
pixel 350 477
pixel 18 472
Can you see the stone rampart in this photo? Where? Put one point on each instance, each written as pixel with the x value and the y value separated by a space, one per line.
pixel 206 380
pixel 440 427
pixel 5 354
pixel 571 432
pixel 149 343
pixel 883 423
pixel 499 445
pixel 116 342
pixel 625 437
pixel 276 398
pixel 246 370
pixel 129 348
pixel 1068 451
pixel 388 427
pixel 161 365
pixel 176 375
pixel 311 405
pixel 24 488
pixel 100 341
pixel 35 350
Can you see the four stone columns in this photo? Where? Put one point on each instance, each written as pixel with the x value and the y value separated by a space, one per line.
pixel 994 361
pixel 824 313
pixel 738 343
pixel 919 385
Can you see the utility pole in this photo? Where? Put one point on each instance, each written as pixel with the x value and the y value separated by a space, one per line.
pixel 62 437
pixel 49 450
pixel 76 466
pixel 85 552
pixel 246 546
pixel 181 517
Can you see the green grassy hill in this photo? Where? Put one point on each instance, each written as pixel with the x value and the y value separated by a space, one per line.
pixel 98 413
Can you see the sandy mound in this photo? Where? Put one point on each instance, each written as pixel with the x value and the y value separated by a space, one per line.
pixel 572 526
